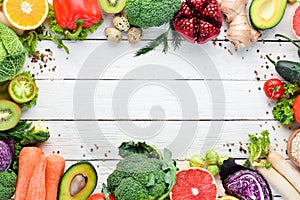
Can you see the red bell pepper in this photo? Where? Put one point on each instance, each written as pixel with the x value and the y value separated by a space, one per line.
pixel 71 13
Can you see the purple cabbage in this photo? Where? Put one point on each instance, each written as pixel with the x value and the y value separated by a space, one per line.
pixel 6 154
pixel 244 183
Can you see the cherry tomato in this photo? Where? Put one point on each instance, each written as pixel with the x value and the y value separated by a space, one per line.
pixel 100 196
pixel 274 88
pixel 296 108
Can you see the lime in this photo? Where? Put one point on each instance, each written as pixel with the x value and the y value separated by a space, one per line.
pixel 22 89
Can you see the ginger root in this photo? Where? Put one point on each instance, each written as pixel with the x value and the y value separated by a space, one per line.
pixel 240 32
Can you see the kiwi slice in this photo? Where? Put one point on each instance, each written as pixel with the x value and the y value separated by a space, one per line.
pixel 10 114
pixel 112 6
pixel 22 89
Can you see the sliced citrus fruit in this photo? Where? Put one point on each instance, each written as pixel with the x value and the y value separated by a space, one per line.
pixel 295 22
pixel 228 197
pixel 25 14
pixel 22 89
pixel 194 184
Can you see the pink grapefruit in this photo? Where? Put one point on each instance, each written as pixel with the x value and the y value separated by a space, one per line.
pixel 295 22
pixel 194 184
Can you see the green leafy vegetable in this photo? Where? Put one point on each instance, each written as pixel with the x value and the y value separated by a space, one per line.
pixel 162 39
pixel 129 148
pixel 259 147
pixel 291 89
pixel 31 38
pixel 283 111
pixel 12 53
pixel 8 181
pixel 25 133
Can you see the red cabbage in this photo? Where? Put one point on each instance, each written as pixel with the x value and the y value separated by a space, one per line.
pixel 244 183
pixel 6 154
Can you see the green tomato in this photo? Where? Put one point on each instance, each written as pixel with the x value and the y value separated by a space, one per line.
pixel 197 161
pixel 213 169
pixel 221 160
pixel 211 157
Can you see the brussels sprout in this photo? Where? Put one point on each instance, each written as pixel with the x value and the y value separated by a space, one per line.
pixel 213 169
pixel 221 160
pixel 211 157
pixel 197 161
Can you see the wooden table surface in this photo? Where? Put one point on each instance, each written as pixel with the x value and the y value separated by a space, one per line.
pixel 196 98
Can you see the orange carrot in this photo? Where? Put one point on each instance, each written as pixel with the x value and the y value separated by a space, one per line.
pixel 55 167
pixel 37 187
pixel 29 158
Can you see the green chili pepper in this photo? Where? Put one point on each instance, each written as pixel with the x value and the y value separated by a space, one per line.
pixel 290 40
pixel 289 70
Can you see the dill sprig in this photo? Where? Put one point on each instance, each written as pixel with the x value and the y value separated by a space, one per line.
pixel 162 39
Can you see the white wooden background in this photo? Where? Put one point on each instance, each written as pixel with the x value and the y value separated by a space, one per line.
pixel 240 74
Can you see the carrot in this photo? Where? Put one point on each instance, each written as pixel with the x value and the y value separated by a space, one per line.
pixel 29 157
pixel 37 187
pixel 285 169
pixel 55 167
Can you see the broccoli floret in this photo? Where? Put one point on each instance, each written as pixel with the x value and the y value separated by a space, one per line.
pixel 131 189
pixel 140 173
pixel 8 180
pixel 148 13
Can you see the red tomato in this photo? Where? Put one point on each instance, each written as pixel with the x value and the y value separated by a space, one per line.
pixel 274 88
pixel 100 196
pixel 296 108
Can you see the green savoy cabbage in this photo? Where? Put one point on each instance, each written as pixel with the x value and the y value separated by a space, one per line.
pixel 12 53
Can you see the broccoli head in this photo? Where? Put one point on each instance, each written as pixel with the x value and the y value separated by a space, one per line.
pixel 138 177
pixel 8 180
pixel 131 189
pixel 148 13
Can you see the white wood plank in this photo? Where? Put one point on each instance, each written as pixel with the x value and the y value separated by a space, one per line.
pixel 156 100
pixel 80 140
pixel 103 60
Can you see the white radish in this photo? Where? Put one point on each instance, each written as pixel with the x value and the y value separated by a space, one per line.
pixel 279 183
pixel 285 169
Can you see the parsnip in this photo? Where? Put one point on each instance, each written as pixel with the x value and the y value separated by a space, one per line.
pixel 285 169
pixel 279 183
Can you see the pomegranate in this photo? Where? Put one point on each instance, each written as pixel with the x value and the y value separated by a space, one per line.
pixel 198 20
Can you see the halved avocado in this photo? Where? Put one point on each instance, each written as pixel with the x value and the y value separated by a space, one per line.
pixel 266 14
pixel 78 182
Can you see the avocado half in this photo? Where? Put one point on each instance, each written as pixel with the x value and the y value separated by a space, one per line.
pixel 266 14
pixel 88 173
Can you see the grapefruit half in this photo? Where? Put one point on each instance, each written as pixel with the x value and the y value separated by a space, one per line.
pixel 194 184
pixel 295 21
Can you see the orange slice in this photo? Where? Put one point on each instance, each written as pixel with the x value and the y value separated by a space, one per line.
pixel 25 14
